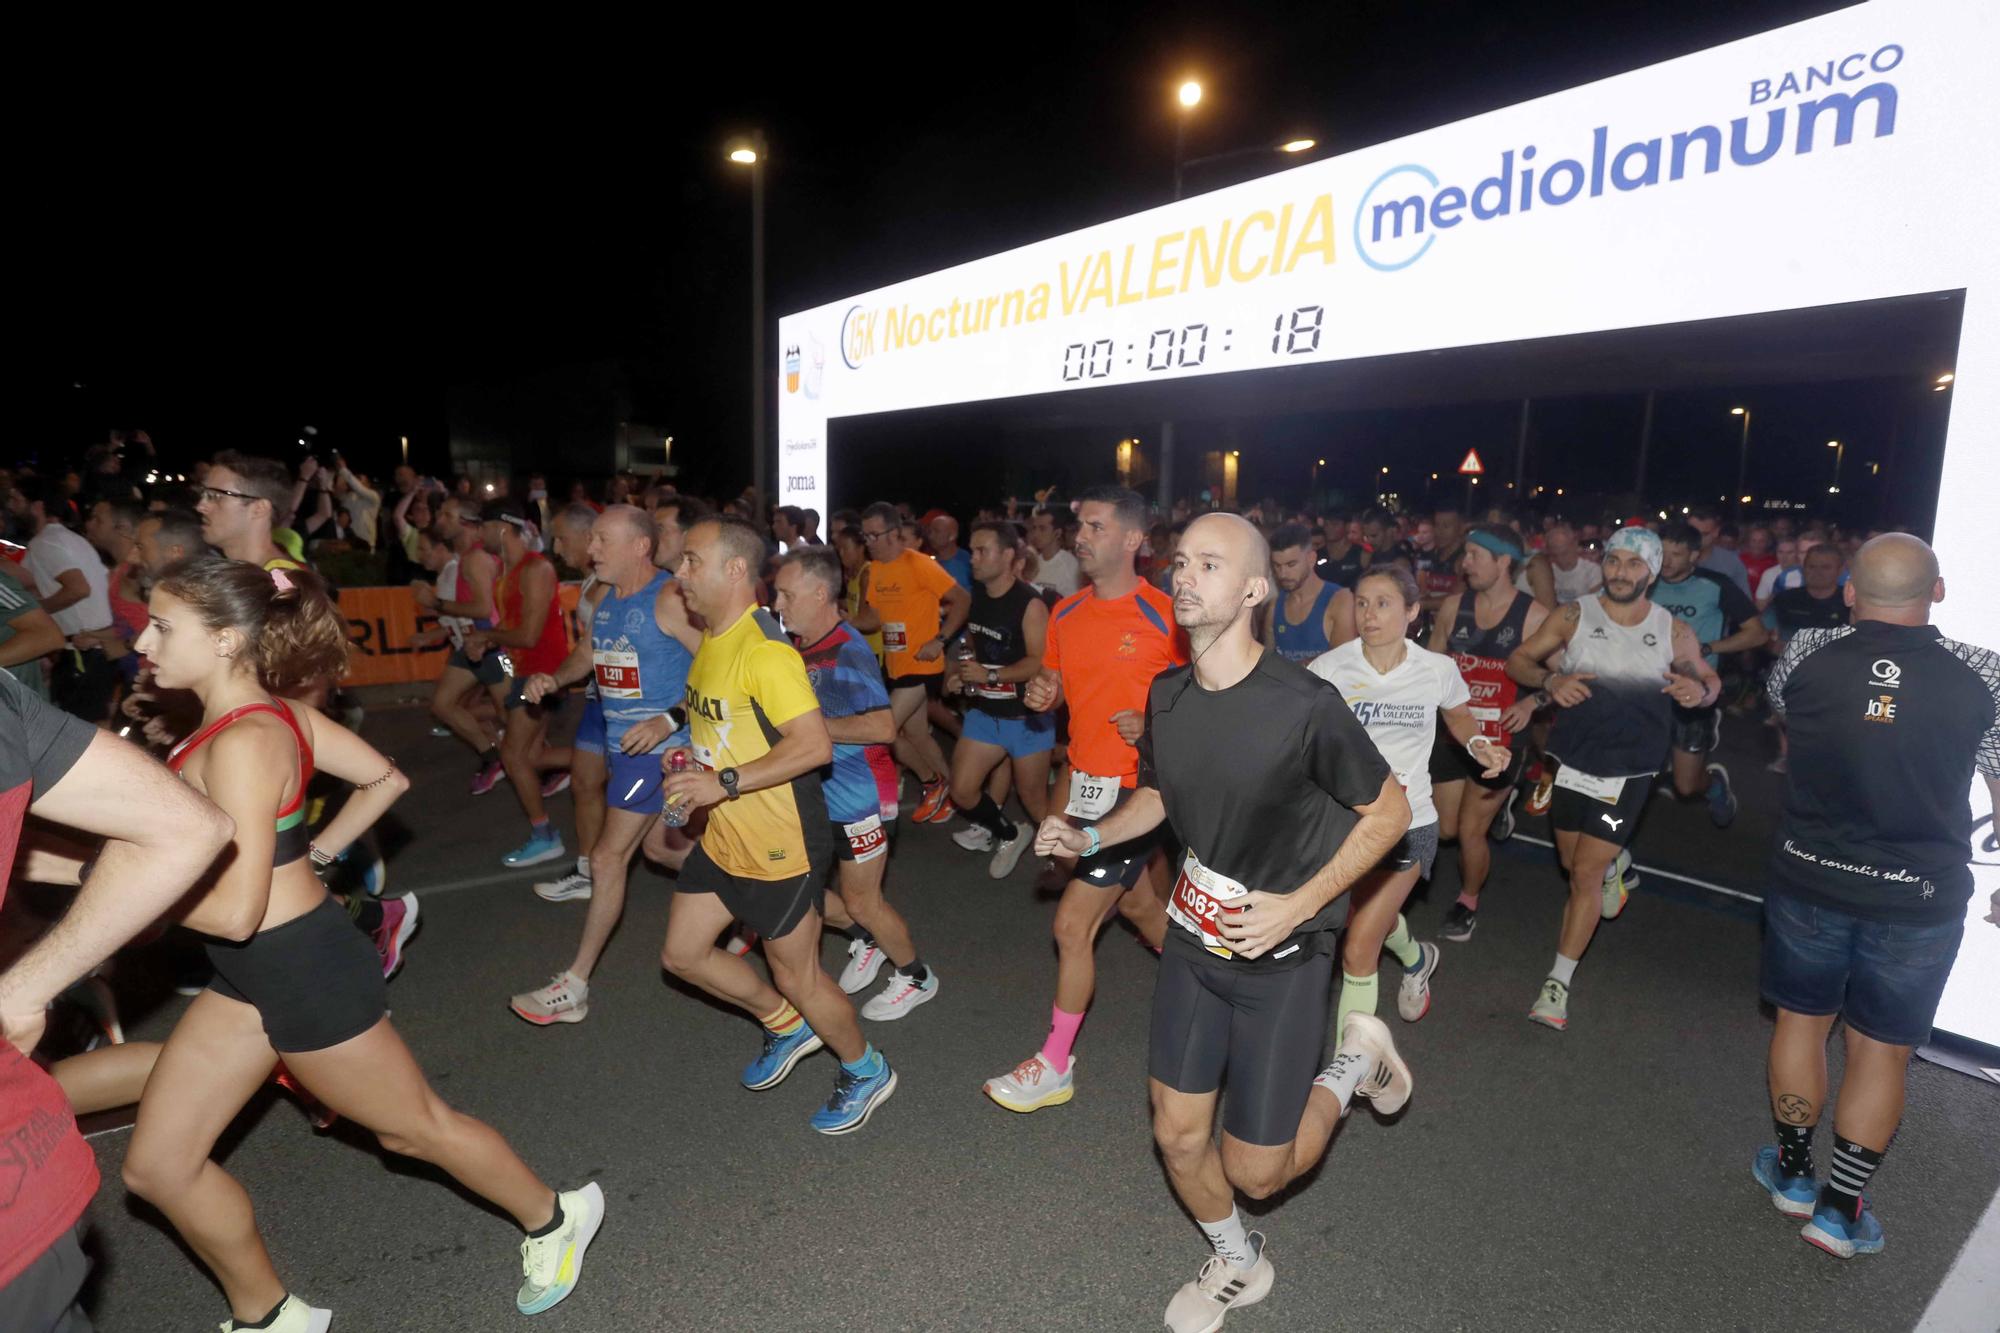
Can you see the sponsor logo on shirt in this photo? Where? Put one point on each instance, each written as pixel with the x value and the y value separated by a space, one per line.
pixel 1128 645
pixel 1881 708
pixel 1370 713
pixel 1886 674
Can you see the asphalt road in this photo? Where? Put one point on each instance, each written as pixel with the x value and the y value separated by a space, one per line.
pixel 1596 1179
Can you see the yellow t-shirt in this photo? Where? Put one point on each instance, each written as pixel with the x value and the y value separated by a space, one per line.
pixel 745 683
pixel 908 592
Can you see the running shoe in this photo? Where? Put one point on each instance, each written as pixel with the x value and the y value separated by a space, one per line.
pixel 573 887
pixel 1541 794
pixel 1388 1082
pixel 1413 997
pixel 974 838
pixel 1778 765
pixel 294 1316
pixel 741 941
pixel 855 1097
pixel 1830 1230
pixel 864 961
pixel 936 806
pixel 93 995
pixel 561 1001
pixel 535 851
pixel 1721 797
pixel 551 1264
pixel 317 1111
pixel 555 782
pixel 1032 1084
pixel 1503 823
pixel 1007 855
pixel 1617 885
pixel 1459 923
pixel 399 922
pixel 780 1055
pixel 441 731
pixel 1201 1305
pixel 193 975
pixel 1551 1007
pixel 365 862
pixel 900 995
pixel 1794 1196
pixel 487 777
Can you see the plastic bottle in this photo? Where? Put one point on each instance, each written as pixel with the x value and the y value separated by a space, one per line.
pixel 675 813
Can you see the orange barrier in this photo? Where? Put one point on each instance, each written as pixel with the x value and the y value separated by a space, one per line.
pixel 381 626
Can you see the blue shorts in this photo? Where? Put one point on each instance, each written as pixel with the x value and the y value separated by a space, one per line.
pixel 590 731
pixel 1884 979
pixel 633 780
pixel 1020 737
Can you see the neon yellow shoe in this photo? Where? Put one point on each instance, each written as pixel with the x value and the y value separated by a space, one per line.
pixel 551 1264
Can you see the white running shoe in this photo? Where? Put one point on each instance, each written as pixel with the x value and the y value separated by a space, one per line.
pixel 294 1316
pixel 561 1001
pixel 1006 855
pixel 864 961
pixel 1388 1082
pixel 1032 1084
pixel 900 996
pixel 572 887
pixel 1413 997
pixel 974 838
pixel 551 1264
pixel 1202 1304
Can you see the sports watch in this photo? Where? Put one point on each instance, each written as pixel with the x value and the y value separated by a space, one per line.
pixel 727 777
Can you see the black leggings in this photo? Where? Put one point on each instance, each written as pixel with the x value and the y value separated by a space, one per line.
pixel 1265 1027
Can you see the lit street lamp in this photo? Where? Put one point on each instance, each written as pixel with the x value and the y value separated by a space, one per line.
pixel 752 154
pixel 1839 454
pixel 1743 451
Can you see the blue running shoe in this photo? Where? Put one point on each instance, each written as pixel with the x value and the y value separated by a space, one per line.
pixel 855 1097
pixel 1721 797
pixel 780 1054
pixel 1831 1231
pixel 1794 1196
pixel 535 851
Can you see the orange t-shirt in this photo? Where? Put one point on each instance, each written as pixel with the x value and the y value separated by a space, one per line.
pixel 908 591
pixel 1107 651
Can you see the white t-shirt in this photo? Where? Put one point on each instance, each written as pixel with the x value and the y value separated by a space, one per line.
pixel 1776 579
pixel 1060 575
pixel 54 549
pixel 1399 709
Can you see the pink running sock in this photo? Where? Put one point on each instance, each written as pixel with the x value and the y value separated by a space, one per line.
pixel 1062 1036
pixel 1469 904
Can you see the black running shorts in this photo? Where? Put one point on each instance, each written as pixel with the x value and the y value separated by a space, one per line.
pixel 771 907
pixel 1571 811
pixel 1265 1027
pixel 316 980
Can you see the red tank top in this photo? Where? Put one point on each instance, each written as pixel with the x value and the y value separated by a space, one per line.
pixel 1482 655
pixel 294 838
pixel 553 646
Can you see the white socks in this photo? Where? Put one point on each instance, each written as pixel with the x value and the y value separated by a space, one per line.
pixel 1344 1075
pixel 1230 1240
pixel 1564 969
pixel 583 866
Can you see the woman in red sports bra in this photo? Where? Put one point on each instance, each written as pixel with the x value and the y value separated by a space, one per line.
pixel 293 977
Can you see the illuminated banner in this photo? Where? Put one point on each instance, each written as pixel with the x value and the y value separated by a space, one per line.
pixel 1846 158
pixel 382 624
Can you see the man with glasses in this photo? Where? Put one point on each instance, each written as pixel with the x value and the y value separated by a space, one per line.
pixel 240 501
pixel 918 607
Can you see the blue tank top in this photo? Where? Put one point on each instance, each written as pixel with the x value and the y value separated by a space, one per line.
pixel 1306 640
pixel 641 670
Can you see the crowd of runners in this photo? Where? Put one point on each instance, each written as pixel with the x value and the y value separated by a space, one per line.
pixel 1248 735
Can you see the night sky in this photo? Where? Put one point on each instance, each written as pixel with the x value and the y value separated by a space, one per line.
pixel 342 227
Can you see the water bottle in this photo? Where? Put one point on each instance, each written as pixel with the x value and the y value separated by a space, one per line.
pixel 675 814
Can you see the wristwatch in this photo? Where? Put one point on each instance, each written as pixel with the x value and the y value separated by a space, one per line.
pixel 727 777
pixel 993 675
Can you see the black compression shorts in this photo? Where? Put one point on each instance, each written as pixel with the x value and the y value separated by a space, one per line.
pixel 1265 1027
pixel 316 980
pixel 771 907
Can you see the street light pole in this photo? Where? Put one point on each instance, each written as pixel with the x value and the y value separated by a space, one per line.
pixel 1839 448
pixel 752 155
pixel 1743 450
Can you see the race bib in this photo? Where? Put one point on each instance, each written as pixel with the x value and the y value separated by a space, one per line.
pixel 617 673
pixel 1004 690
pixel 1197 901
pixel 1090 797
pixel 1606 790
pixel 1489 723
pixel 895 636
pixel 866 838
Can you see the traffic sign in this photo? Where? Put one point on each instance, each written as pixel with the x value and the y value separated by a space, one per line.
pixel 1471 467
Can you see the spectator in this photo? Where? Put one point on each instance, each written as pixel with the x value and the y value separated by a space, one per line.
pixel 74 585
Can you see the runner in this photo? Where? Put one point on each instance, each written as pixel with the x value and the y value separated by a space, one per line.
pixel 1059 572
pixel 1105 645
pixel 569 533
pixel 527 636
pixel 759 741
pixel 1608 736
pixel 1314 616
pixel 1005 635
pixel 74 588
pixel 1724 620
pixel 919 608
pixel 1271 782
pixel 1479 628
pixel 859 785
pixel 1437 573
pixel 1869 882
pixel 1559 573
pixel 1406 698
pixel 462 600
pixel 639 647
pixel 1343 558
pixel 241 500
pixel 291 978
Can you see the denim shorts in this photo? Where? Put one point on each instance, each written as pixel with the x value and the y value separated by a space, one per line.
pixel 1885 979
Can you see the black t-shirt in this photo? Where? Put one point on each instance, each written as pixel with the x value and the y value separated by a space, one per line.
pixel 1343 570
pixel 994 628
pixel 1795 609
pixel 1260 781
pixel 1886 724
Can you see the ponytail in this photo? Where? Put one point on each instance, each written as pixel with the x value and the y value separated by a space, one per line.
pixel 291 629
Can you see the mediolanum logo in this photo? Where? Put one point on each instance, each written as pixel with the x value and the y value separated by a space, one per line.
pixel 1402 213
